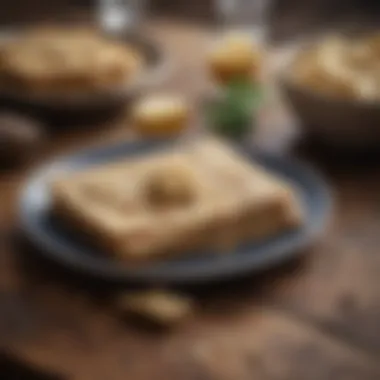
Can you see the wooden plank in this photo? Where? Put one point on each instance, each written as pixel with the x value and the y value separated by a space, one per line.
pixel 337 286
pixel 256 344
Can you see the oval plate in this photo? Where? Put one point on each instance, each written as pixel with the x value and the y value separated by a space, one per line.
pixel 64 248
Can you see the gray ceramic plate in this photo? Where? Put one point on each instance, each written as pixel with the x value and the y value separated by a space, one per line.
pixel 64 248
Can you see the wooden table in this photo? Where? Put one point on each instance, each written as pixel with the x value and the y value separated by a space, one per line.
pixel 316 318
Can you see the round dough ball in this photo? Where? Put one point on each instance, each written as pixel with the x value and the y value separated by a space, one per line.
pixel 170 186
pixel 160 116
pixel 235 57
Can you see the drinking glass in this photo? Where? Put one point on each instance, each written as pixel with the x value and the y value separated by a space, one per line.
pixel 117 16
pixel 246 15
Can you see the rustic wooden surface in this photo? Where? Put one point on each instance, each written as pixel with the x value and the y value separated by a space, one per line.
pixel 316 318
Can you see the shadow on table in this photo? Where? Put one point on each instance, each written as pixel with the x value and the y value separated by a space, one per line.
pixel 223 294
pixel 57 118
pixel 12 368
pixel 339 161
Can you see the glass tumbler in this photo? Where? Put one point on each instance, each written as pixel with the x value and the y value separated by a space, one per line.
pixel 117 16
pixel 250 16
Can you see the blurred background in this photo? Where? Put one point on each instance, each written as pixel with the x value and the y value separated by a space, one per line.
pixel 289 16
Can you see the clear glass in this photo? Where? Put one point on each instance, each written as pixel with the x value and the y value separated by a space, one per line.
pixel 117 16
pixel 247 15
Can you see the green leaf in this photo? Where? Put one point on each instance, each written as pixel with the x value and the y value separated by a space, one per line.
pixel 235 114
pixel 244 92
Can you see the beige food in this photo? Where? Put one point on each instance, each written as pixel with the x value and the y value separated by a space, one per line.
pixel 55 60
pixel 158 306
pixel 160 115
pixel 343 67
pixel 235 57
pixel 170 186
pixel 209 197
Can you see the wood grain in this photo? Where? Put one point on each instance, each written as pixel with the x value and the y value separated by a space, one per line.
pixel 312 319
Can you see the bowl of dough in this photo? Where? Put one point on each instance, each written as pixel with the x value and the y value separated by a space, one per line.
pixel 333 87
pixel 58 66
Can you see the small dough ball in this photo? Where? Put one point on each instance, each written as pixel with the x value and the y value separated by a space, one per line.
pixel 170 186
pixel 158 306
pixel 235 57
pixel 160 116
pixel 20 138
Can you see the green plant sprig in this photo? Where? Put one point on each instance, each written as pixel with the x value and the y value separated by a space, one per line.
pixel 234 114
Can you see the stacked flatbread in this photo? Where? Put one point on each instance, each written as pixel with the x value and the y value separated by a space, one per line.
pixel 199 196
